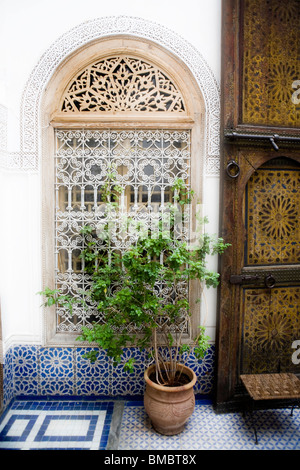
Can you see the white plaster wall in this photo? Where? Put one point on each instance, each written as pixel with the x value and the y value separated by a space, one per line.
pixel 20 258
pixel 28 28
pixel 211 196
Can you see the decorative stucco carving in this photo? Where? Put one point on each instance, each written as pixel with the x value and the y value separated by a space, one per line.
pixel 119 84
pixel 31 129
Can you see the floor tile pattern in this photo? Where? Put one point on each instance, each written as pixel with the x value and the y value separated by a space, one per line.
pixel 35 425
pixel 206 430
pixel 92 424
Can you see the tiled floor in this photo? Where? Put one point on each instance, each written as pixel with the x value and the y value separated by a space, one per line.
pixel 207 430
pixel 124 425
pixel 33 425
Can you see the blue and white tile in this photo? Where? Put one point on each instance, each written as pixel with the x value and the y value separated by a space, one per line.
pixel 129 383
pixel 56 371
pixel 204 370
pixel 25 360
pixel 56 363
pixel 8 378
pixel 56 425
pixel 32 370
pixel 206 430
pixel 92 378
pixel 26 370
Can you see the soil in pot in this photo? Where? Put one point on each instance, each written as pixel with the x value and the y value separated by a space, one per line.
pixel 179 380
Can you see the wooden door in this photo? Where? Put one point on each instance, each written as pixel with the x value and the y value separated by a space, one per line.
pixel 270 275
pixel 259 302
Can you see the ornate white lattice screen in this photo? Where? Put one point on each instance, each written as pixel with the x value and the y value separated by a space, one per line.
pixel 122 84
pixel 144 163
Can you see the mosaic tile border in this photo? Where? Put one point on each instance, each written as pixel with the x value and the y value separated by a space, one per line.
pixel 33 370
pixel 50 425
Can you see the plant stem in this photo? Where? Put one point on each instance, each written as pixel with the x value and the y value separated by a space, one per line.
pixel 157 368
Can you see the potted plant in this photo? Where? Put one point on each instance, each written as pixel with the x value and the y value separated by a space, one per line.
pixel 142 295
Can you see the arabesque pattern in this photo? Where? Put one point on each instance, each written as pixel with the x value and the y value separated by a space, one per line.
pixel 273 205
pixel 271 62
pixel 28 158
pixel 33 370
pixel 144 164
pixel 271 324
pixel 120 84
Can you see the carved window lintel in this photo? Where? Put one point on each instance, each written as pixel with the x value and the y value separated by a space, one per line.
pixel 122 84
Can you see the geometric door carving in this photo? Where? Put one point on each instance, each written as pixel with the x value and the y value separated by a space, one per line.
pixel 260 272
pixel 272 212
pixel 271 324
pixel 271 300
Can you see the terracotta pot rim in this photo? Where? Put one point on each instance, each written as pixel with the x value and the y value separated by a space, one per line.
pixel 167 389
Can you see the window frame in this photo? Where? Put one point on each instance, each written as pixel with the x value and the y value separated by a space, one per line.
pixel 193 120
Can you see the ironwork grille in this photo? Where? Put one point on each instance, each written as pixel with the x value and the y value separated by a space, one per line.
pixel 144 163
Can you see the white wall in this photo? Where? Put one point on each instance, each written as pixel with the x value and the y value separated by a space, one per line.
pixel 28 28
pixel 20 272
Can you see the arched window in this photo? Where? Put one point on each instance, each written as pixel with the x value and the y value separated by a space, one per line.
pixel 125 108
pixel 119 84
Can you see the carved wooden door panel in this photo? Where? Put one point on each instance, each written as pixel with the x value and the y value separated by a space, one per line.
pixel 259 303
pixel 270 277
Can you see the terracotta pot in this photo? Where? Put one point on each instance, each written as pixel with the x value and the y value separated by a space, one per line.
pixel 169 407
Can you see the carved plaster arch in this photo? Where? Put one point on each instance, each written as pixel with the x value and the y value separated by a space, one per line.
pixel 86 32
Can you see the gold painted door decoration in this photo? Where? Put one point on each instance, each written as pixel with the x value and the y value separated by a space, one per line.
pixel 273 225
pixel 271 300
pixel 271 70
